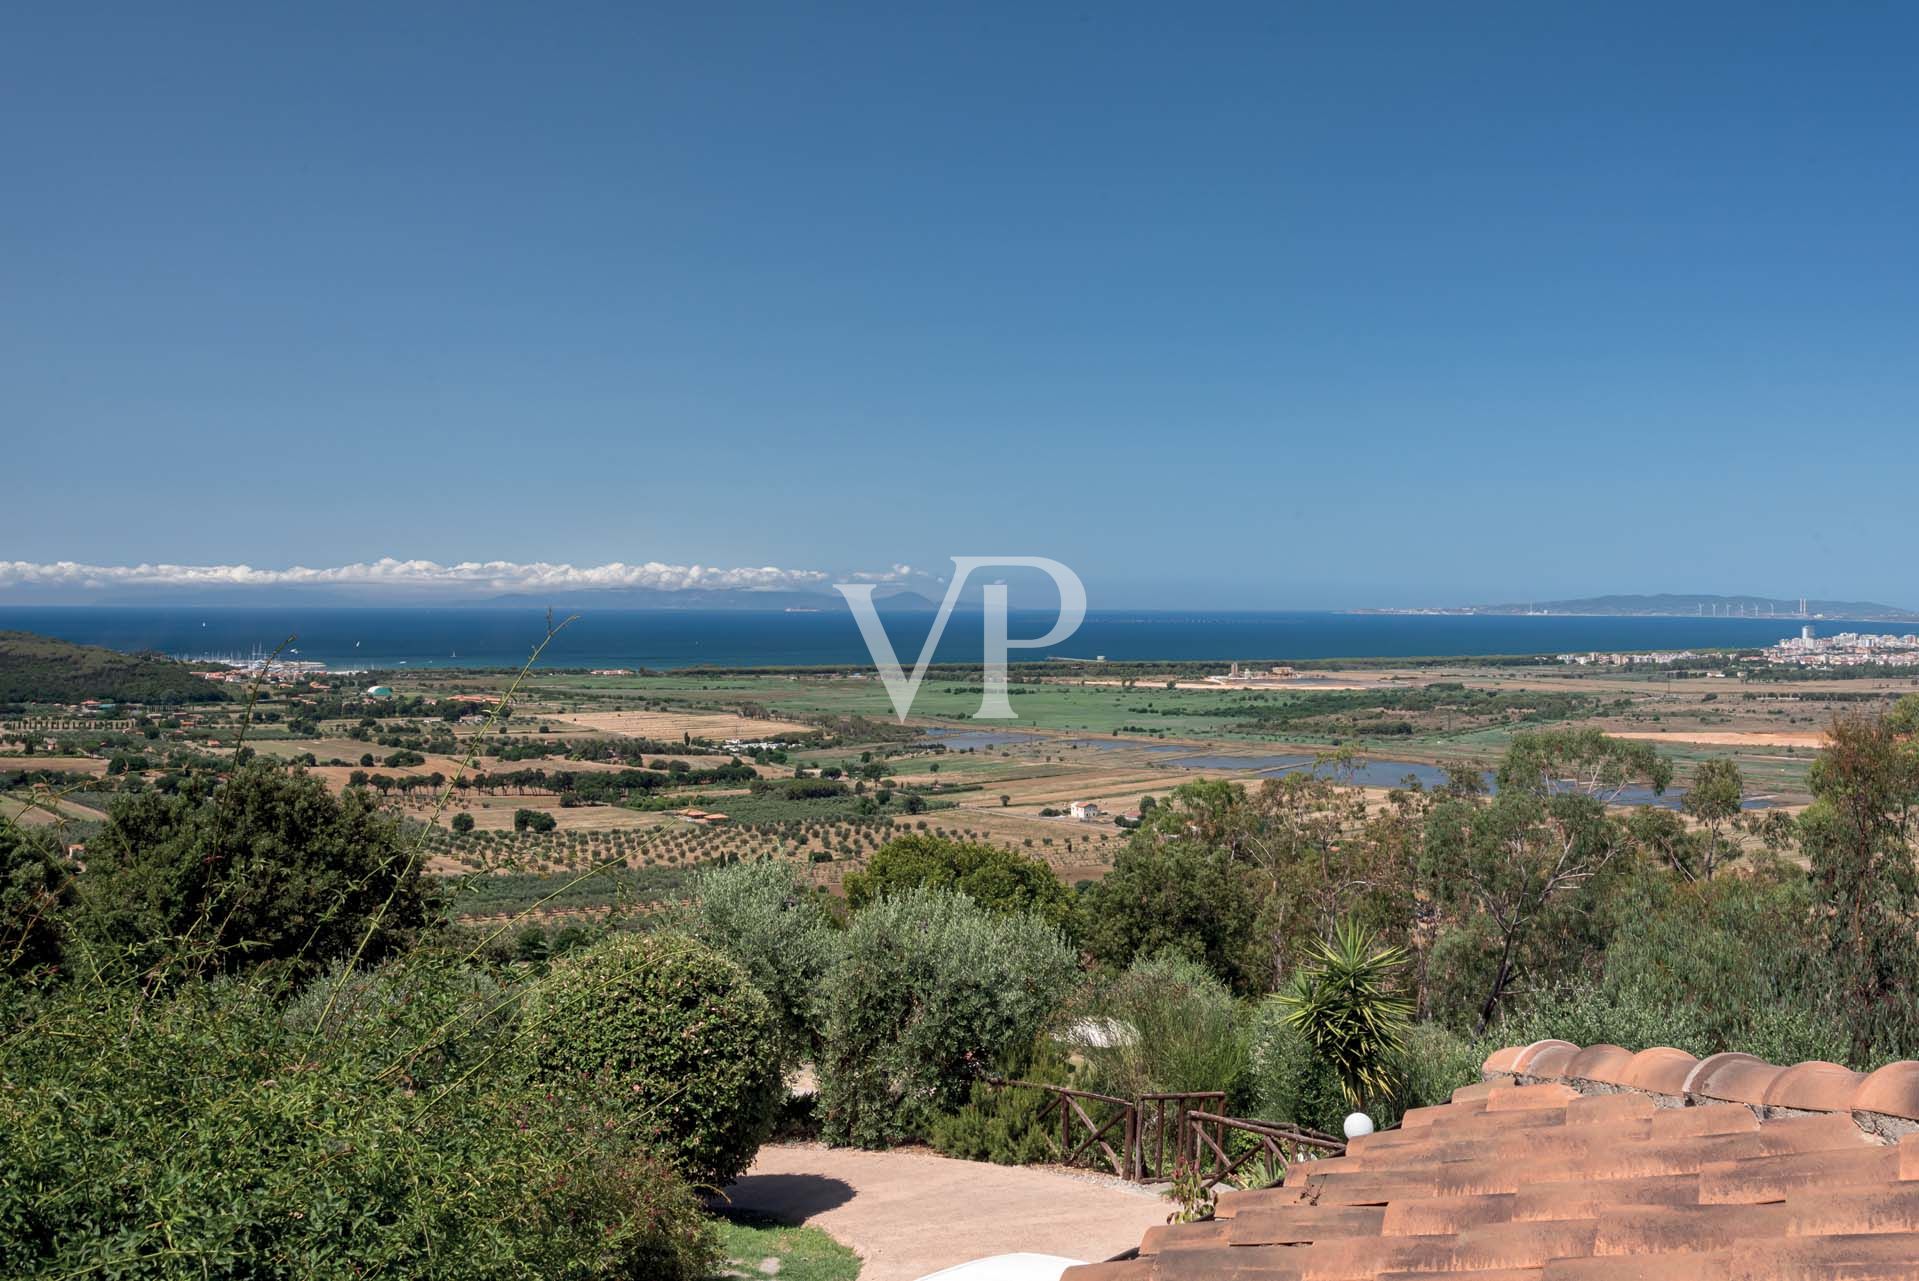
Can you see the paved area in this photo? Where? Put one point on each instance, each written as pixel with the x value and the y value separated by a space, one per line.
pixel 908 1213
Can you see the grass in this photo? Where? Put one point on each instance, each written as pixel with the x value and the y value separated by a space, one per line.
pixel 803 1254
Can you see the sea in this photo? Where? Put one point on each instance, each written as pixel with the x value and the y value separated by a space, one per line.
pixel 360 639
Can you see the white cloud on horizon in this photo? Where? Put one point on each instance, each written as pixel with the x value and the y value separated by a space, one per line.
pixel 426 575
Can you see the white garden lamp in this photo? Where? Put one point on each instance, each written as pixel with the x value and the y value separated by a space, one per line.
pixel 1358 1123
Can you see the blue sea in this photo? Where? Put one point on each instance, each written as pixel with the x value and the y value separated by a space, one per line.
pixel 387 638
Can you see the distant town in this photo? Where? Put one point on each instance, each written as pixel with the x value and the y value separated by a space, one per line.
pixel 1808 649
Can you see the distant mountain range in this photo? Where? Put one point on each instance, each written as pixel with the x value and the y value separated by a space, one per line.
pixel 1684 606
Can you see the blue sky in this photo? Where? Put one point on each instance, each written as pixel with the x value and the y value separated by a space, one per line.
pixel 1260 306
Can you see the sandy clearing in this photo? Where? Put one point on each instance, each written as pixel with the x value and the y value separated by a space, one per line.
pixel 63 764
pixel 1727 738
pixel 897 1209
pixel 1271 686
pixel 670 725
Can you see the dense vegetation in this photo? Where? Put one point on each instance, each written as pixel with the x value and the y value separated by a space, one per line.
pixel 40 669
pixel 247 1000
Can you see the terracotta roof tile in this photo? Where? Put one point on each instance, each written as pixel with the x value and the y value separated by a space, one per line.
pixel 1733 1078
pixel 1524 1060
pixel 1551 1061
pixel 1814 1087
pixel 1666 1169
pixel 1891 1091
pixel 1660 1070
pixel 1604 1063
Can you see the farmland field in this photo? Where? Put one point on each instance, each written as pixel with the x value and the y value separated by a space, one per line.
pixel 593 772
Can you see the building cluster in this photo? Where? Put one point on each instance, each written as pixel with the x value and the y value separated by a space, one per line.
pixel 281 671
pixel 1655 658
pixel 1847 649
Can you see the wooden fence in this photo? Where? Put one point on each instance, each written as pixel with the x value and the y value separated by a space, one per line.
pixel 1146 1139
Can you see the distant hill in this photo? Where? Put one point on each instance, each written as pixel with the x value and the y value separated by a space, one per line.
pixel 1691 606
pixel 40 669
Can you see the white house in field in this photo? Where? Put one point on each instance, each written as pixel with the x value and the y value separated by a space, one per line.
pixel 1085 811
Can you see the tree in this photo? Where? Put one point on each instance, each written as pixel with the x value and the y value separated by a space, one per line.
pixel 1346 1002
pixel 1174 896
pixel 1858 838
pixel 763 916
pixel 533 821
pixel 462 824
pixel 1000 880
pixel 1512 862
pixel 271 869
pixel 1713 802
pixel 930 991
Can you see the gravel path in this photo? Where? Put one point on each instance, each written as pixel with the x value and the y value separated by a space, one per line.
pixel 910 1212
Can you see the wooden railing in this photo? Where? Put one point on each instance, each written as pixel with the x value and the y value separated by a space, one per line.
pixel 1163 1125
pixel 1085 1138
pixel 1145 1139
pixel 1208 1144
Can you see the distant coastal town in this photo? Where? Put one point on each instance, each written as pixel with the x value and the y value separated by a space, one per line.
pixel 1847 649
pixel 1808 649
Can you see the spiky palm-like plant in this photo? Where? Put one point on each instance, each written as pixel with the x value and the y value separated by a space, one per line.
pixel 1346 1002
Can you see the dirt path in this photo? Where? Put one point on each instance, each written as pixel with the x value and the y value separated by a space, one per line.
pixel 908 1213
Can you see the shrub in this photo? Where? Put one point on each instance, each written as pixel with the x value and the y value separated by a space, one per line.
pixel 1434 1063
pixel 1288 1082
pixel 931 989
pixel 679 1032
pixel 999 879
pixel 1164 1025
pixel 762 916
pixel 210 1133
pixel 1009 1124
pixel 36 887
pixel 270 870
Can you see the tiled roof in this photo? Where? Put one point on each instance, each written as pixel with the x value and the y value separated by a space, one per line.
pixel 1595 1164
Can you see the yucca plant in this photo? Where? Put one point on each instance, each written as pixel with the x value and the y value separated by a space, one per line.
pixel 1345 1000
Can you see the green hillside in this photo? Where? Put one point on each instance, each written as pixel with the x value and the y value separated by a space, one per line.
pixel 40 669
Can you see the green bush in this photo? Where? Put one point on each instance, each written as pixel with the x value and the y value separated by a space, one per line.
pixel 1288 1081
pixel 1434 1063
pixel 1164 1025
pixel 679 1032
pixel 36 888
pixel 931 989
pixel 1009 1124
pixel 766 919
pixel 210 1133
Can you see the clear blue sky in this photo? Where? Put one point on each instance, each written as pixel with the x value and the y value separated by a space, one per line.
pixel 1261 305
